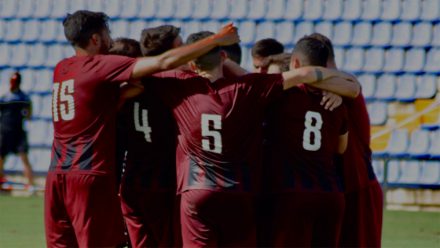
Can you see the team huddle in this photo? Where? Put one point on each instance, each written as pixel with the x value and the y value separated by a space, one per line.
pixel 180 146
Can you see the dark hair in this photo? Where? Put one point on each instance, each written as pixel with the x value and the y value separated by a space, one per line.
pixel 282 60
pixel 327 42
pixel 211 59
pixel 267 47
pixel 81 25
pixel 314 52
pixel 155 41
pixel 234 52
pixel 126 47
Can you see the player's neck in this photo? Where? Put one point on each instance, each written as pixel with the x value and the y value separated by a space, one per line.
pixel 85 52
pixel 213 75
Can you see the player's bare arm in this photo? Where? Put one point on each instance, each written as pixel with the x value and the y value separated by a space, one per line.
pixel 234 68
pixel 344 85
pixel 173 58
pixel 342 143
pixel 330 100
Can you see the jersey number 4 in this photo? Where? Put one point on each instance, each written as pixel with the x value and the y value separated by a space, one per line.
pixel 63 104
pixel 214 133
pixel 142 126
pixel 313 125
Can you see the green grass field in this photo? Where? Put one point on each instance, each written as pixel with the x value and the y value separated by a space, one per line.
pixel 21 225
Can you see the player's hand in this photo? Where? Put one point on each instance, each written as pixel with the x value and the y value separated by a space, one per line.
pixel 330 101
pixel 227 35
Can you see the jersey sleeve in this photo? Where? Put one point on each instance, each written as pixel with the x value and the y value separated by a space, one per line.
pixel 266 86
pixel 115 68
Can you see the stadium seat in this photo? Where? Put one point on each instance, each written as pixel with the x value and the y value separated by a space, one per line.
pixel 43 8
pixel 378 167
pixel 211 25
pixel 385 87
pixel 362 34
pixel 398 144
pixel 220 9
pixel 342 33
pixel 433 61
pixel 284 32
pixel 19 55
pixel 14 29
pixel 352 10
pixel 332 10
pixel 434 149
pixel 59 9
pixel 190 27
pixel 275 9
pixel 31 30
pixel 238 9
pixel 394 59
pixel 55 53
pixel 354 59
pixel 371 10
pixel 374 58
pixel 75 5
pixel 5 52
pixel 27 80
pixel 382 33
pixel 37 55
pixel 8 9
pixel 50 133
pixel 37 105
pixel 40 158
pixel 257 9
pixel 265 30
pixel 313 10
pixel 135 29
pixel 410 10
pixel 430 10
pixel 49 30
pixel 436 36
pixel 302 29
pixel 391 10
pixel 46 111
pixel 415 60
pixel 339 56
pixel 419 144
pixel 147 9
pixel 12 162
pixel 25 9
pixel 368 84
pixel 5 74
pixel 37 132
pixel 202 9
pixel 294 10
pixel 247 32
pixel 2 30
pixel 43 81
pixel 406 88
pixel 426 86
pixel 402 34
pixel 378 112
pixel 119 28
pixel 185 8
pixel 422 34
pixel 410 171
pixel 112 8
pixel 130 9
pixel 393 171
pixel 95 5
pixel 324 28
pixel 68 51
pixel 431 113
pixel 430 174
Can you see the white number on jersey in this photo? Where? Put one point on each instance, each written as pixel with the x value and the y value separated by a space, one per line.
pixel 215 133
pixel 142 127
pixel 66 105
pixel 315 129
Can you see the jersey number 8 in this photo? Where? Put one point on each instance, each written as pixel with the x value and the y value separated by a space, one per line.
pixel 312 128
pixel 66 104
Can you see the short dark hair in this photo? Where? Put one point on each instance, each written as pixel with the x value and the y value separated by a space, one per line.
pixel 267 47
pixel 81 25
pixel 209 60
pixel 234 52
pixel 126 47
pixel 157 40
pixel 327 42
pixel 282 60
pixel 314 52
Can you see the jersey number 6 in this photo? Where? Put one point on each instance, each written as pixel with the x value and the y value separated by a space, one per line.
pixel 214 133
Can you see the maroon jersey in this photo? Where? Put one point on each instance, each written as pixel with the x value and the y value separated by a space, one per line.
pixel 303 140
pixel 219 127
pixel 357 168
pixel 84 102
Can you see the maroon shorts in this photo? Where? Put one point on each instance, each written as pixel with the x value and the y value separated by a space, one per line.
pixel 306 219
pixel 217 219
pixel 150 217
pixel 82 210
pixel 362 226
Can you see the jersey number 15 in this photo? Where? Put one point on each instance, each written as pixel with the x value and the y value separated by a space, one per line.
pixel 63 104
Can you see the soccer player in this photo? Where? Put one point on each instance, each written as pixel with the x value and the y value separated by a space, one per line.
pixel 261 50
pixel 219 122
pixel 362 226
pixel 233 52
pixel 15 107
pixel 279 63
pixel 304 139
pixel 81 203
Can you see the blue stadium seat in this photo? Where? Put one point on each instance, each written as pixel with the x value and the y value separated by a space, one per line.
pixel 61 38
pixel 313 10
pixel 362 33
pixel 147 9
pixel 119 28
pixel 257 9
pixel 5 74
pixel 191 27
pixel 371 10
pixel 354 59
pixel 59 9
pixel 8 9
pixel 368 84
pixel 75 5
pixel 422 34
pixel 19 55
pixel 43 8
pixel 238 9
pixel 247 32
pixel 411 10
pixel 294 9
pixel 51 132
pixel 436 36
pixel 247 58
pixel 394 59
pixel 406 88
pixel 68 51
pixel 426 86
pixel 5 52
pixel 393 171
pixel 2 30
pixel 43 81
pixel 391 10
pixel 55 53
pixel 339 56
pixel 46 107
pixel 27 80
pixel 352 10
pixel 302 29
pixel 202 9
pixel 410 171
pixel 130 9
pixel 342 33
pixel 324 28
pixel 275 9
pixel 25 9
pixel 382 33
pixel 430 173
pixel 398 144
pixel 284 32
pixel 211 25
pixel 374 60
pixel 40 159
pixel 95 5
pixel 135 29
pixel 430 10
pixel 419 144
pixel 332 10
pixel 185 8
pixel 220 9
pixel 12 162
pixel 433 61
pixel 414 60
pixel 156 23
pixel 434 149
pixel 14 29
pixel 112 8
pixel 385 87
pixel 402 34
pixel 49 30
pixel 378 167
pixel 37 55
pixel 37 106
pixel 265 30
pixel 31 30
pixel 378 113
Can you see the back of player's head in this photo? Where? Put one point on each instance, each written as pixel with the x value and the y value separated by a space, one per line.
pixel 210 60
pixel 327 42
pixel 157 40
pixel 81 25
pixel 311 52
pixel 233 52
pixel 267 47
pixel 126 47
